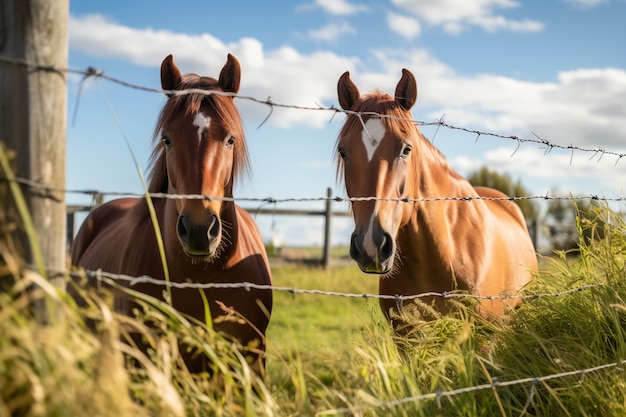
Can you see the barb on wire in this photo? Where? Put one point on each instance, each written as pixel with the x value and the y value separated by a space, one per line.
pixel 269 103
pixel 91 72
pixel 437 129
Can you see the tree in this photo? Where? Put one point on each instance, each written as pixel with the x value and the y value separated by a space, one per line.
pixel 503 182
pixel 563 215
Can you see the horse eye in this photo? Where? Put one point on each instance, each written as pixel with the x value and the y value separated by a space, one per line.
pixel 166 141
pixel 230 141
pixel 406 150
pixel 342 153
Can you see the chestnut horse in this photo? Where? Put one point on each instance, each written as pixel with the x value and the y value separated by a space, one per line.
pixel 199 148
pixel 417 246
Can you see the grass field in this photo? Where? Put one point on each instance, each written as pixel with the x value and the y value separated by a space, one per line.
pixel 318 331
pixel 331 355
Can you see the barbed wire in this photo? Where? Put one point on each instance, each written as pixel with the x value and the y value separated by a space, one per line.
pixel 104 276
pixel 97 73
pixel 47 190
pixel 438 395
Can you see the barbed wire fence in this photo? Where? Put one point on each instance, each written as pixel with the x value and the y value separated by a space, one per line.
pixel 91 72
pixel 107 277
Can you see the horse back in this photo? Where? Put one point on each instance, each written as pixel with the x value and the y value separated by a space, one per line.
pixel 502 208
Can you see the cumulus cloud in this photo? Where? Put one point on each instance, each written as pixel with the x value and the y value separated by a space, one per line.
pixel 455 16
pixel 404 26
pixel 335 7
pixel 277 73
pixel 541 170
pixel 584 107
pixel 331 32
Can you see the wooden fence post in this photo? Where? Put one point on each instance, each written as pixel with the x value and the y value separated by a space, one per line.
pixel 33 109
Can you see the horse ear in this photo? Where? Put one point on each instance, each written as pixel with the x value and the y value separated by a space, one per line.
pixel 347 91
pixel 170 74
pixel 230 76
pixel 406 90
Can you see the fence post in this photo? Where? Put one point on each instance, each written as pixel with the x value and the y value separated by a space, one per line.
pixel 327 218
pixel 535 232
pixel 33 112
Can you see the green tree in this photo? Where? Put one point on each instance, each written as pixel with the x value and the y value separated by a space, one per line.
pixel 503 182
pixel 564 213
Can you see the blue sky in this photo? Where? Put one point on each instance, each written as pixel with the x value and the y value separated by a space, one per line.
pixel 555 68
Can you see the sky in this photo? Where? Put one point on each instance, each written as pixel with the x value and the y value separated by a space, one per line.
pixel 550 69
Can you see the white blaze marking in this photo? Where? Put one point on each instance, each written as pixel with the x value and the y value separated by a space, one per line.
pixel 368 240
pixel 202 122
pixel 373 133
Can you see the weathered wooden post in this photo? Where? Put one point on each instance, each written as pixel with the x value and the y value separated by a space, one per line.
pixel 33 108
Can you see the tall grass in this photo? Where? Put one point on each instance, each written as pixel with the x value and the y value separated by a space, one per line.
pixel 62 368
pixel 329 355
pixel 545 336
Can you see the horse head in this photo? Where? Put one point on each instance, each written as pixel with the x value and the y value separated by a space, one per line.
pixel 377 159
pixel 201 150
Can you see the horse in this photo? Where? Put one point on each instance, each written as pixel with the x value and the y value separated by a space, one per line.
pixel 413 224
pixel 199 148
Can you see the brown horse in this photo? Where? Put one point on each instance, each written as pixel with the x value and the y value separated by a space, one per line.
pixel 419 246
pixel 199 148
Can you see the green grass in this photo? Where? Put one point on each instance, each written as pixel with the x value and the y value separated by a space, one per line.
pixel 330 355
pixel 312 333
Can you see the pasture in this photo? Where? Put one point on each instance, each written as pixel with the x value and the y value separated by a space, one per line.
pixel 331 355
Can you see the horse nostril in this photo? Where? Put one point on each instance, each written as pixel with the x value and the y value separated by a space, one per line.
pixel 181 227
pixel 214 227
pixel 355 253
pixel 386 249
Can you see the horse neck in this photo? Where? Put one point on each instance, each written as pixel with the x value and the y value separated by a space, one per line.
pixel 230 222
pixel 435 177
pixel 229 211
pixel 433 223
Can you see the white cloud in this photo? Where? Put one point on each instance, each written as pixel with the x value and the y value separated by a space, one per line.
pixel 584 107
pixel 277 73
pixel 497 23
pixel 97 35
pixel 335 7
pixel 404 26
pixel 456 16
pixel 331 32
pixel 541 170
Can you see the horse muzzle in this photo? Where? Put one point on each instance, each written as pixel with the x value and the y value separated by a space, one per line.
pixel 201 239
pixel 374 254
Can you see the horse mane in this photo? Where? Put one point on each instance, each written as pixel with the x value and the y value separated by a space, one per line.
pixel 190 104
pixel 396 120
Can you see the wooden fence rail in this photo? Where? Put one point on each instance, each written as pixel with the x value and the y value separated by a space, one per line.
pixel 534 226
pixel 327 213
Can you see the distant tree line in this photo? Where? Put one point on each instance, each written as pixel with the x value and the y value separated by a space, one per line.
pixel 503 182
pixel 561 218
